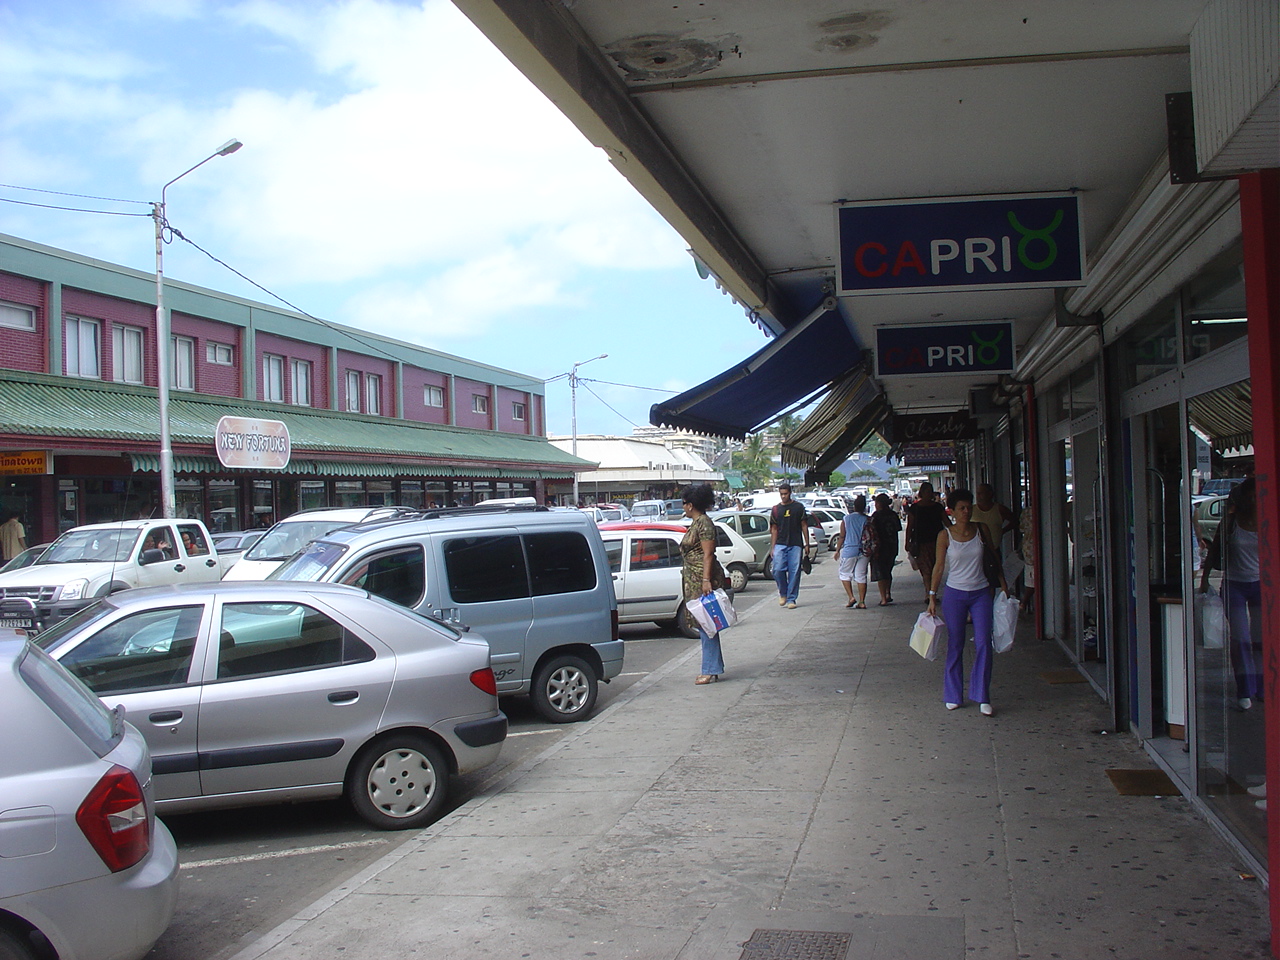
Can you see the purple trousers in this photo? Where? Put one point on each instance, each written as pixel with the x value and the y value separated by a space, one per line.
pixel 957 607
pixel 1243 600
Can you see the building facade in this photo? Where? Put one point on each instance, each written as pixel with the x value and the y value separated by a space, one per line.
pixel 371 420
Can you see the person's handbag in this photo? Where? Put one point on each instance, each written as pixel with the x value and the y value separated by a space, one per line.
pixel 991 567
pixel 713 611
pixel 1004 620
pixel 870 540
pixel 924 636
pixel 1213 619
pixel 806 565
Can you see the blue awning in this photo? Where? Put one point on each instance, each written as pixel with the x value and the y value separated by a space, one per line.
pixel 797 365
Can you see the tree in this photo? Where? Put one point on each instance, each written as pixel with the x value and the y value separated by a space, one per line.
pixel 837 479
pixel 755 462
pixel 875 446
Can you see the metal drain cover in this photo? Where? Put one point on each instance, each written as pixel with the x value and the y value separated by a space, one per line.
pixel 796 945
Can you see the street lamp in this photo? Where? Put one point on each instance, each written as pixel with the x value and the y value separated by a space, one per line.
pixel 168 498
pixel 573 414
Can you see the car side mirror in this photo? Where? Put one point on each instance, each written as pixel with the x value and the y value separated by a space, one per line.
pixel 154 555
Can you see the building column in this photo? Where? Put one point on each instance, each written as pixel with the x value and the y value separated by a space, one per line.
pixel 1260 225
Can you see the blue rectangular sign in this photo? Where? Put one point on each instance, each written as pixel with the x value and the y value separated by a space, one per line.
pixel 975 243
pixel 984 348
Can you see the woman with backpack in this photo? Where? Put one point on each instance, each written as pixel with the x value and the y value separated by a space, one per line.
pixel 854 562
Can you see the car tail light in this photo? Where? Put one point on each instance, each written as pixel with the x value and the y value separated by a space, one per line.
pixel 113 818
pixel 485 680
pixel 613 623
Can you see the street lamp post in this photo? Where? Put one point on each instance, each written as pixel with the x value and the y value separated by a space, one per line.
pixel 168 498
pixel 573 414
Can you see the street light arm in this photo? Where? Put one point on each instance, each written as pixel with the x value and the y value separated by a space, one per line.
pixel 231 146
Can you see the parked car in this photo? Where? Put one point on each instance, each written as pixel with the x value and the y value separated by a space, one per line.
pixel 86 871
pixel 297 691
pixel 97 559
pixel 1218 487
pixel 534 581
pixel 830 520
pixel 649 511
pixel 236 541
pixel 288 536
pixel 607 512
pixel 736 556
pixel 753 527
pixel 828 502
pixel 1207 514
pixel 25 558
pixel 646 565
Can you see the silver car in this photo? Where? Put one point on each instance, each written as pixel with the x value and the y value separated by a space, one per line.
pixel 86 869
pixel 252 692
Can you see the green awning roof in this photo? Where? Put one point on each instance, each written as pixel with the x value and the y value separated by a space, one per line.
pixel 41 406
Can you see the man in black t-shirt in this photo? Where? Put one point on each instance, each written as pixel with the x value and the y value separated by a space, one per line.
pixel 789 536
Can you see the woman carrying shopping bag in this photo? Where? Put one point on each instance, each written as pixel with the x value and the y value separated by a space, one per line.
pixel 702 571
pixel 961 550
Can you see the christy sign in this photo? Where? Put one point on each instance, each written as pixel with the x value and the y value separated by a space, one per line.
pixel 973 243
pixel 984 348
pixel 257 444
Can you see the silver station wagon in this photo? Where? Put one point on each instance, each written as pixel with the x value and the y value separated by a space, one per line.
pixel 254 692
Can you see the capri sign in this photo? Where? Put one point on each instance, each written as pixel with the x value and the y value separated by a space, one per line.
pixel 974 243
pixel 255 444
pixel 941 349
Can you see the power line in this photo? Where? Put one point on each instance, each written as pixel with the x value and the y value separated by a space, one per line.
pixel 605 402
pixel 50 206
pixel 63 193
pixel 629 385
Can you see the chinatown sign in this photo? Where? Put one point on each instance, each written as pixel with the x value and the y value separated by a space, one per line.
pixel 26 463
pixel 1016 241
pixel 249 443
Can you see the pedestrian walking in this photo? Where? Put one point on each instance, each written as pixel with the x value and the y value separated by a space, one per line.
pixel 702 572
pixel 1234 550
pixel 887 526
pixel 995 516
pixel 789 540
pixel 926 518
pixel 855 562
pixel 967 594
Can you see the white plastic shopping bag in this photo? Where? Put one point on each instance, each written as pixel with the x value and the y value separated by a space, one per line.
pixel 924 636
pixel 1214 619
pixel 1004 617
pixel 713 611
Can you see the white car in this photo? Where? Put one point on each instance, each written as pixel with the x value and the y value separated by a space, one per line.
pixel 291 534
pixel 646 564
pixel 830 520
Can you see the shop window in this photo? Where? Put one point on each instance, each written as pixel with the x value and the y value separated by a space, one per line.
pixel 312 494
pixel 220 354
pixel 272 378
pixel 349 493
pixel 83 348
pixel 17 316
pixel 182 361
pixel 353 391
pixel 433 396
pixel 1150 347
pixel 126 354
pixel 301 370
pixel 1214 306
pixel 411 494
pixel 372 394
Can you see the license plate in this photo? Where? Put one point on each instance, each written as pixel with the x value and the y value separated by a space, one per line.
pixel 17 623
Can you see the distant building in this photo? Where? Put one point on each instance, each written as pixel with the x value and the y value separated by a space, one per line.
pixel 704 446
pixel 636 469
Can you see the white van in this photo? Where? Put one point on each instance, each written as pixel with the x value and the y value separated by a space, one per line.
pixel 533 582
pixel 291 534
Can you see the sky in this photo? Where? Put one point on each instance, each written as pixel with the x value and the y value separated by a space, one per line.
pixel 398 175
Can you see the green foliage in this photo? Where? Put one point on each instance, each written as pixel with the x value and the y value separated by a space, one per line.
pixel 875 446
pixel 837 479
pixel 755 461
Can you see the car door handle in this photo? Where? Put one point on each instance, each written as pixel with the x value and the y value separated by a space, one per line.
pixel 165 716
pixel 344 696
pixel 211 562
pixel 179 567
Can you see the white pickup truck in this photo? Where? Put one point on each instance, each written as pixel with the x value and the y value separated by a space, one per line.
pixel 94 560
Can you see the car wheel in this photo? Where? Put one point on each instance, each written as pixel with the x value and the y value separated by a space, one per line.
pixel 564 689
pixel 768 567
pixel 738 576
pixel 685 624
pixel 399 782
pixel 14 946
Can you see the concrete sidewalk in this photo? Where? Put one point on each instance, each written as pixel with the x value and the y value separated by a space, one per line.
pixel 822 789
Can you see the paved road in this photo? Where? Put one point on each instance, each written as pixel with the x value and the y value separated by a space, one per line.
pixel 244 871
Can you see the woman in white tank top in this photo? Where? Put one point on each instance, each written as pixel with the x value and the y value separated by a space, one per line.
pixel 966 594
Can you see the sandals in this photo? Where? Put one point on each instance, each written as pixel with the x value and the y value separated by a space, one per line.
pixel 860 606
pixel 851 603
pixel 707 678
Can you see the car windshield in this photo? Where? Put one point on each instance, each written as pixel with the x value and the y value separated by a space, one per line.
pixel 287 538
pixel 311 563
pixel 79 546
pixel 50 637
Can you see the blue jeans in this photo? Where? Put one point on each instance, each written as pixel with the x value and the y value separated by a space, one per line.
pixel 1243 600
pixel 957 607
pixel 712 656
pixel 786 570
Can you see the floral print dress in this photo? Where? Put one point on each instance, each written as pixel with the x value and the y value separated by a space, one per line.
pixel 701 529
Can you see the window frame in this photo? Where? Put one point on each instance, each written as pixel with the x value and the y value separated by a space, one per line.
pixel 352 403
pixel 431 391
pixel 373 394
pixel 273 376
pixel 480 403
pixel 519 410
pixel 80 325
pixel 122 336
pixel 30 311
pixel 300 373
pixel 184 374
pixel 213 352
